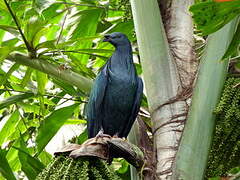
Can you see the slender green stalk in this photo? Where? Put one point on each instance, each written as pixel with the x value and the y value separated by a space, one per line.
pixel 70 77
pixel 29 48
pixel 191 159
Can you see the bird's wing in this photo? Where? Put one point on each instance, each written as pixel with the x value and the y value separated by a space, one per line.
pixel 135 109
pixel 94 108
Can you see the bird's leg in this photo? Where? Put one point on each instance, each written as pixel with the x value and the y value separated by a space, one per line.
pixel 101 134
pixel 124 138
pixel 116 135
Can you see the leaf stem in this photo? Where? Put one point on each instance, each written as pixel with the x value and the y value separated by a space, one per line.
pixel 29 48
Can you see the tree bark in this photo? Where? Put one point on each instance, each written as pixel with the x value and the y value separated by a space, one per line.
pixel 179 27
pixel 168 111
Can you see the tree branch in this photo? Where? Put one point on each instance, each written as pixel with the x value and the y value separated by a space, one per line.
pixel 70 77
pixel 48 95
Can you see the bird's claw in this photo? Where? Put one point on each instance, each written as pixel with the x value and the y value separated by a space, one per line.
pixel 102 135
pixel 115 136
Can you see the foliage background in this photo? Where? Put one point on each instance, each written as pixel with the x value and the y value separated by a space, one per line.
pixel 62 38
pixel 34 104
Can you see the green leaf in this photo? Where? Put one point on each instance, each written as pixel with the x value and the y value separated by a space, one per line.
pixel 11 29
pixel 232 48
pixel 83 136
pixel 85 25
pixel 51 44
pixel 42 80
pixel 27 77
pixel 47 44
pixel 124 166
pixel 100 51
pixel 66 87
pixel 58 97
pixel 76 121
pixel 6 19
pixel 41 4
pixel 45 157
pixel 40 34
pixel 34 25
pixel 4 166
pixel 12 156
pixel 3 6
pixel 69 43
pixel 53 32
pixel 20 8
pixel 10 42
pixel 4 51
pixel 52 124
pixel 14 99
pixel 9 127
pixel 29 108
pixel 29 13
pixel 52 11
pixel 211 16
pixel 124 27
pixel 31 166
pixel 4 79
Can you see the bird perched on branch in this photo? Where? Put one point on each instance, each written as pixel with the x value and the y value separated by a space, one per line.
pixel 117 91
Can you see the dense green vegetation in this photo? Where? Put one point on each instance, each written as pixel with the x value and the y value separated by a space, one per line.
pixel 82 169
pixel 225 151
pixel 50 52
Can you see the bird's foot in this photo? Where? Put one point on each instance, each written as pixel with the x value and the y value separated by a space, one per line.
pixel 102 135
pixel 124 138
pixel 115 135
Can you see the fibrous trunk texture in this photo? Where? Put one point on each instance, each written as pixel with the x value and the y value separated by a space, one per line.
pixel 179 28
pixel 163 86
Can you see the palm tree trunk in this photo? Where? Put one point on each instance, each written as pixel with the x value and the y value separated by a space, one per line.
pixel 162 83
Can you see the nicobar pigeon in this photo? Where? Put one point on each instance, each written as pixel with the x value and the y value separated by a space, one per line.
pixel 116 93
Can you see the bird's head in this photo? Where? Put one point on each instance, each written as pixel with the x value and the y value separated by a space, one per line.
pixel 116 39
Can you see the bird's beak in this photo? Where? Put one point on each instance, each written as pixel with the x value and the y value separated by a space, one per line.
pixel 107 38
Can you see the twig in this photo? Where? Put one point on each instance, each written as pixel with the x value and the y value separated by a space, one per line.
pixel 30 49
pixel 22 118
pixel 64 51
pixel 64 21
pixel 60 34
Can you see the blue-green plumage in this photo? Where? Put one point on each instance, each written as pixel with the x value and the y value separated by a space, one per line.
pixel 115 97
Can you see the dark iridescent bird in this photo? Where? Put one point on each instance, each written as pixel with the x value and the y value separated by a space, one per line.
pixel 117 91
